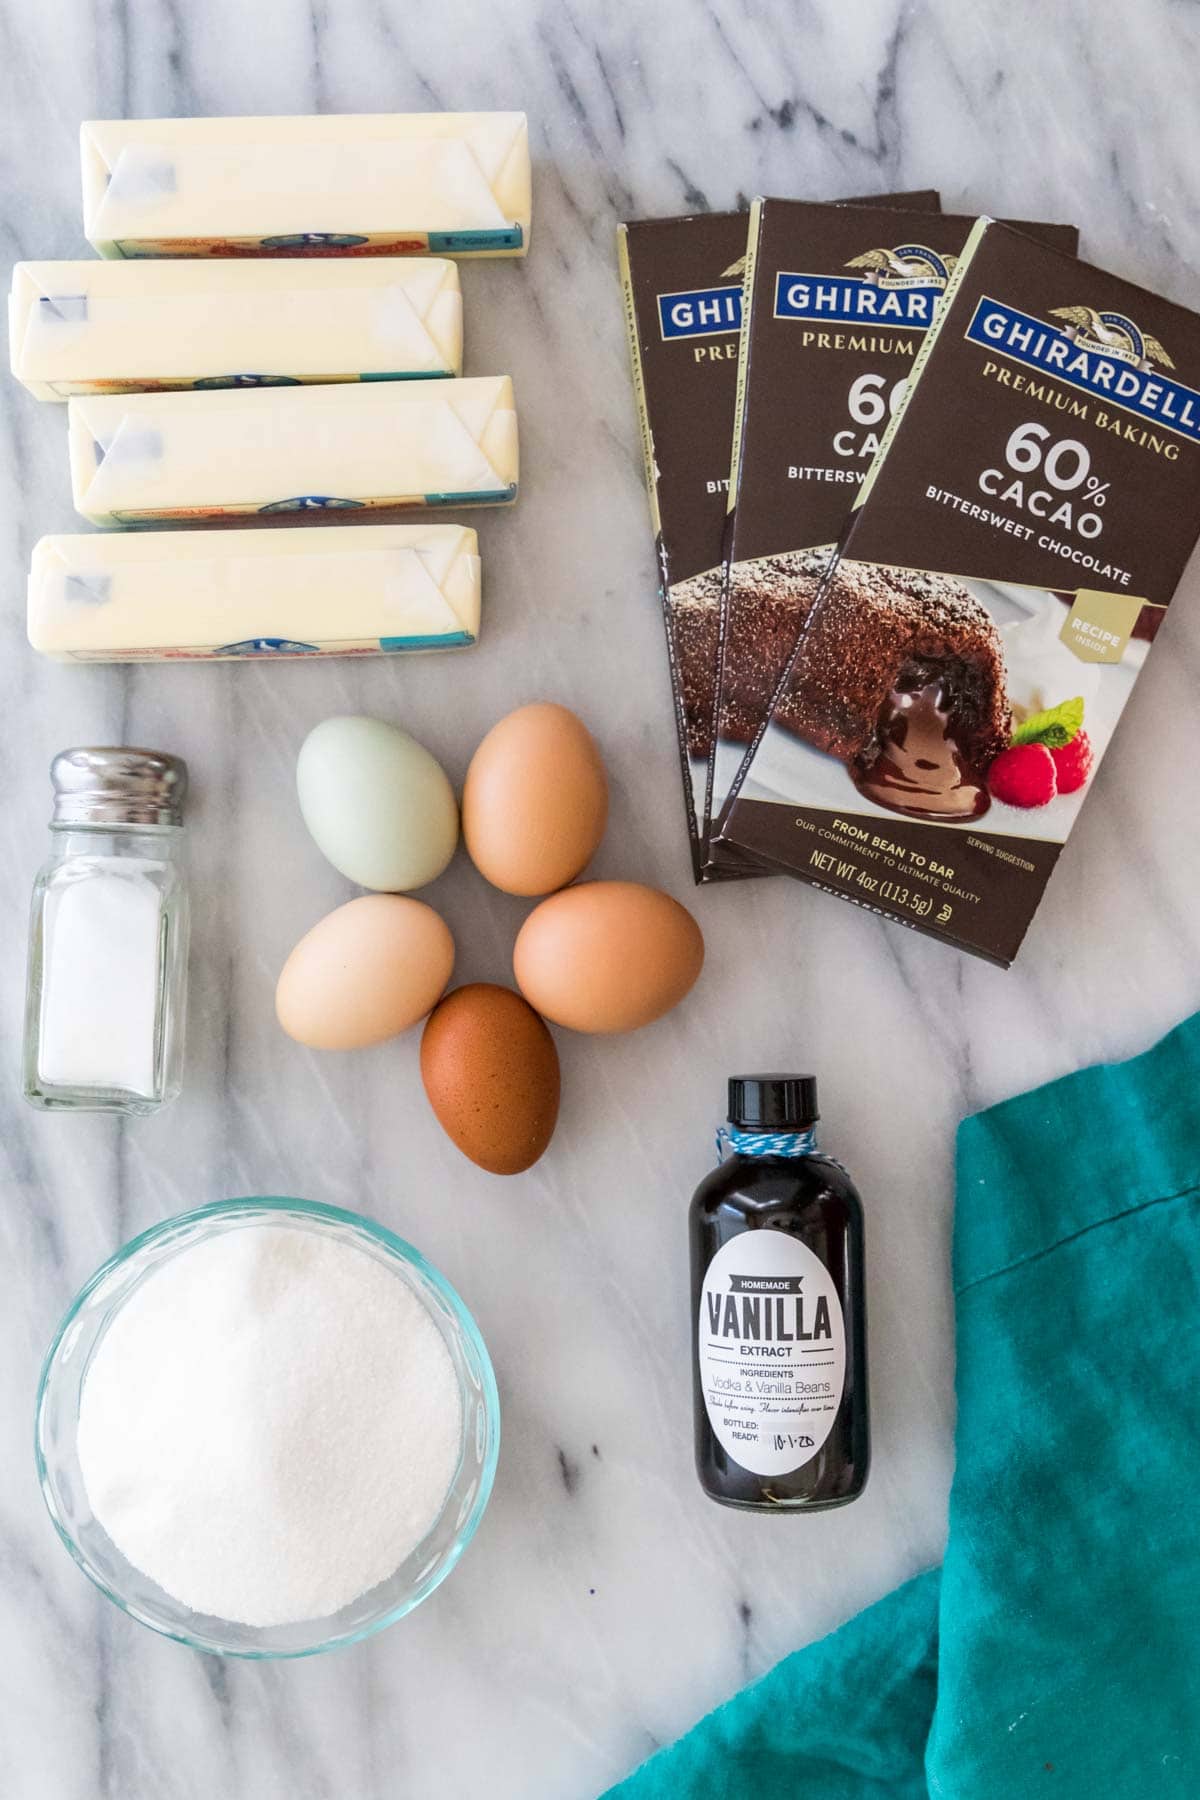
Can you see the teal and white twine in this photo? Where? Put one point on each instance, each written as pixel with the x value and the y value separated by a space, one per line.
pixel 733 1142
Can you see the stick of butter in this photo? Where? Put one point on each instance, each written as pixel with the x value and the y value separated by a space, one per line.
pixel 454 184
pixel 104 328
pixel 138 458
pixel 143 596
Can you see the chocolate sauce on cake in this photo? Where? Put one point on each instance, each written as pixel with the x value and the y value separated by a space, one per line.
pixel 920 768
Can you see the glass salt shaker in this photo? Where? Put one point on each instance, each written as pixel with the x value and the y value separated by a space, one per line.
pixel 108 937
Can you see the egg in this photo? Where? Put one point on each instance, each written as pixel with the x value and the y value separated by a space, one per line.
pixel 535 802
pixel 377 804
pixel 364 973
pixel 607 956
pixel 491 1073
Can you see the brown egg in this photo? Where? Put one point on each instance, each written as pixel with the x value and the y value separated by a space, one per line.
pixel 607 956
pixel 535 801
pixel 491 1073
pixel 364 973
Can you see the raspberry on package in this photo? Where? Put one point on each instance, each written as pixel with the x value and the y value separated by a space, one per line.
pixel 1024 775
pixel 1073 763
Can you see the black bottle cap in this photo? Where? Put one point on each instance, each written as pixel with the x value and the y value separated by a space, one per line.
pixel 773 1102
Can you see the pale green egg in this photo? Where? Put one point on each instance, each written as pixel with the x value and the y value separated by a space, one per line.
pixel 378 805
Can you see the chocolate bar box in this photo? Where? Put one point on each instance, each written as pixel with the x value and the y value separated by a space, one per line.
pixel 836 308
pixel 969 652
pixel 682 281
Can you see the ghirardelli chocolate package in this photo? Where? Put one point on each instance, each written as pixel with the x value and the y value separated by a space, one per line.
pixel 836 308
pixel 683 304
pixel 971 648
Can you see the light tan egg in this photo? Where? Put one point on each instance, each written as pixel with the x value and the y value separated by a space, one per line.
pixel 535 801
pixel 364 973
pixel 607 956
pixel 491 1073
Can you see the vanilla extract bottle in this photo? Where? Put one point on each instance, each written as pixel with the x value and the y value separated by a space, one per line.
pixel 778 1310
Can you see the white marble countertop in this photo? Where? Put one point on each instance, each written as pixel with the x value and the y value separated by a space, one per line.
pixel 605 1603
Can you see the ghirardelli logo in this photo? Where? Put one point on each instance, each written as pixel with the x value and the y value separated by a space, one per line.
pixel 1103 354
pixel 704 312
pixel 1112 333
pixel 908 265
pixel 899 287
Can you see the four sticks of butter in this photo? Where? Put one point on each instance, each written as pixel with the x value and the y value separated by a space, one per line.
pixel 276 330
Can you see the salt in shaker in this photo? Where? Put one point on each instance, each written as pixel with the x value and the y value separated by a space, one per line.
pixel 107 982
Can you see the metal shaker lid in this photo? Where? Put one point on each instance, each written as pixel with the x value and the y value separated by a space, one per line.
pixel 109 785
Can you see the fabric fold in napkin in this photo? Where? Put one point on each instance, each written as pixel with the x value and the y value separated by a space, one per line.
pixel 1057 1653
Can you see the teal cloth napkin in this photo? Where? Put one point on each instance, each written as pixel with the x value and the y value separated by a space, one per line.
pixel 1057 1652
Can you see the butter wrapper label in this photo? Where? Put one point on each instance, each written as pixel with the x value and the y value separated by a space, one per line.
pixel 137 596
pixel 325 186
pixel 346 447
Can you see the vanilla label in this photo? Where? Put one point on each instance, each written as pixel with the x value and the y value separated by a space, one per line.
pixel 772 1351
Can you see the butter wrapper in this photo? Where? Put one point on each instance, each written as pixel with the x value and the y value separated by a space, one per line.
pixel 394 184
pixel 350 447
pixel 148 596
pixel 108 328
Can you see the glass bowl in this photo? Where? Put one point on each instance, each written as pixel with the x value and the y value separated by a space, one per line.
pixel 61 1385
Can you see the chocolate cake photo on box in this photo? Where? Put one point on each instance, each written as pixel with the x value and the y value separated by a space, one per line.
pixel 970 649
pixel 682 281
pixel 836 308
